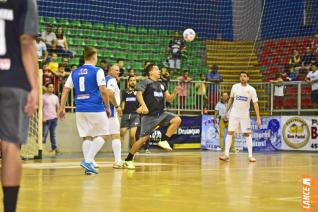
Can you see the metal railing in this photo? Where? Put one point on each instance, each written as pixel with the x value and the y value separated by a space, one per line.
pixel 296 98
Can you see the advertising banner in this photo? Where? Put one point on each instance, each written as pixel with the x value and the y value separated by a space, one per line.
pixel 189 132
pixel 265 138
pixel 300 133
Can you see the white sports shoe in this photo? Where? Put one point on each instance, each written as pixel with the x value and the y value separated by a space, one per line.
pixel 165 145
pixel 118 165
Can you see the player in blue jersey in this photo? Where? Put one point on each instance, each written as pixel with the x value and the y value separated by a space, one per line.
pixel 18 89
pixel 114 126
pixel 92 106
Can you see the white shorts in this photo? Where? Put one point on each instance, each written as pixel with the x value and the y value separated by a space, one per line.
pixel 238 124
pixel 174 63
pixel 114 125
pixel 92 124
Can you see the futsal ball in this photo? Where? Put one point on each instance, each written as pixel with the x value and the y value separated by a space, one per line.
pixel 188 35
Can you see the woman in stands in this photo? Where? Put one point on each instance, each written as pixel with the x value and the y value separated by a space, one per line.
pixel 62 43
pixel 295 61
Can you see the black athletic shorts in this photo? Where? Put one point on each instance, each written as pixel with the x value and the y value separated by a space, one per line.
pixel 149 123
pixel 130 121
pixel 14 122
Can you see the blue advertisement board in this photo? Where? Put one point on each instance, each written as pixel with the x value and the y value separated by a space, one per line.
pixel 267 137
pixel 188 132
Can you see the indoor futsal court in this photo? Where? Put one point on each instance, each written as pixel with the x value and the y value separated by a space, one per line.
pixel 164 106
pixel 179 181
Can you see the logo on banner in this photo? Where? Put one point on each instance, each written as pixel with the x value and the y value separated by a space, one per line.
pixel 296 133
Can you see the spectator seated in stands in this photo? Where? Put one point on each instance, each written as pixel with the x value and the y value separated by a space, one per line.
pixel 184 80
pixel 278 91
pixel 48 76
pixel 296 61
pixel 175 49
pixel 62 44
pixel 53 64
pixel 307 58
pixel 48 36
pixel 65 64
pixel 41 50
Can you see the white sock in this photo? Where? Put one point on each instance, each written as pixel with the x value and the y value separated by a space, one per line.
pixel 249 144
pixel 116 145
pixel 228 143
pixel 85 149
pixel 96 145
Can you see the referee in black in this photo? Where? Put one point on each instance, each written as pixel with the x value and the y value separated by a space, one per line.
pixel 18 89
pixel 130 119
pixel 151 95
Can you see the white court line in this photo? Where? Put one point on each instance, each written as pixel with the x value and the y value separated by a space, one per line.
pixel 73 165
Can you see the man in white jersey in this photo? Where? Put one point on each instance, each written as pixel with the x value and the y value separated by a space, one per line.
pixel 312 79
pixel 91 99
pixel 241 95
pixel 114 125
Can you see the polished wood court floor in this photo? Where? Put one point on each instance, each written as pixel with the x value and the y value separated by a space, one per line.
pixel 178 181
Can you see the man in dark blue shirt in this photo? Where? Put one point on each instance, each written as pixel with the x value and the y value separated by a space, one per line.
pixel 18 89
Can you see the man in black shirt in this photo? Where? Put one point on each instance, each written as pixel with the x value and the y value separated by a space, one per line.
pixel 18 89
pixel 130 119
pixel 151 95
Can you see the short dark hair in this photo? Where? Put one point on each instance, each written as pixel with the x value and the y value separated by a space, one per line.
pixel 119 59
pixel 103 61
pixel 130 76
pixel 149 68
pixel 244 72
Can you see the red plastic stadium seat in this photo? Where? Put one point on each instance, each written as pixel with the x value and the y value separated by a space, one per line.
pixel 264 62
pixel 266 53
pixel 281 44
pixel 269 44
pixel 306 90
pixel 306 102
pixel 304 42
pixel 292 43
pixel 291 90
pixel 290 103
pixel 276 60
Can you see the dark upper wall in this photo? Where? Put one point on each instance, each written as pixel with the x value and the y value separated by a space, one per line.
pixel 285 18
pixel 209 18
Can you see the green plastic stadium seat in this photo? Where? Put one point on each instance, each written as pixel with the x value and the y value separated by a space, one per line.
pixel 120 55
pixel 50 20
pixel 99 26
pixel 152 32
pixel 123 37
pixel 75 23
pixel 42 21
pixel 91 42
pixel 132 56
pixel 87 25
pixel 142 30
pixel 102 44
pixel 62 22
pixel 110 27
pixel 74 61
pixel 79 42
pixel 162 32
pixel 108 54
pixel 132 29
pixel 120 28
